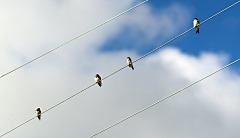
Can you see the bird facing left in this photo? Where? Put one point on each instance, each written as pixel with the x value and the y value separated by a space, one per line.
pixel 98 80
pixel 38 112
pixel 196 24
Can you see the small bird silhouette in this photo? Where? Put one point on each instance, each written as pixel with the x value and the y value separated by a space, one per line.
pixel 196 24
pixel 129 62
pixel 98 80
pixel 38 112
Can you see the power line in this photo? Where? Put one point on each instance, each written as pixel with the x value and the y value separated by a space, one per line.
pixel 120 69
pixel 162 99
pixel 173 39
pixel 75 38
pixel 187 31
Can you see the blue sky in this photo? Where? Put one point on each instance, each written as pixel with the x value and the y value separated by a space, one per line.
pixel 219 35
pixel 208 109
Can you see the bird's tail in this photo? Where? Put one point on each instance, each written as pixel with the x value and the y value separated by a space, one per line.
pixel 39 117
pixel 131 66
pixel 197 30
pixel 100 83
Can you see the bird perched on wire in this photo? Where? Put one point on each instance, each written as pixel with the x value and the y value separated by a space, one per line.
pixel 38 112
pixel 129 62
pixel 196 24
pixel 98 80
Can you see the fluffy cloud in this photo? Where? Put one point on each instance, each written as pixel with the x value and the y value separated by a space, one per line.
pixel 208 109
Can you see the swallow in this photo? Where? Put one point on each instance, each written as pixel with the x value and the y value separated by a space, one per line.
pixel 196 24
pixel 38 112
pixel 129 62
pixel 98 80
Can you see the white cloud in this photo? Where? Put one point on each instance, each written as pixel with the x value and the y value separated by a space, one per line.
pixel 165 21
pixel 210 107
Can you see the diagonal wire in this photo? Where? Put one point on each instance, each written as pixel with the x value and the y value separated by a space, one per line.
pixel 75 38
pixel 188 31
pixel 119 70
pixel 162 99
pixel 173 39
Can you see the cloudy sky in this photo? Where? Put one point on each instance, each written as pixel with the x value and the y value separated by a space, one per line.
pixel 210 108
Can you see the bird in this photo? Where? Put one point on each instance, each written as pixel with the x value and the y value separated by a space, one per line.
pixel 196 24
pixel 129 62
pixel 38 112
pixel 98 80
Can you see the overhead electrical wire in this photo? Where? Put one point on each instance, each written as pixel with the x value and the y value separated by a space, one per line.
pixel 163 99
pixel 173 39
pixel 74 38
pixel 121 69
